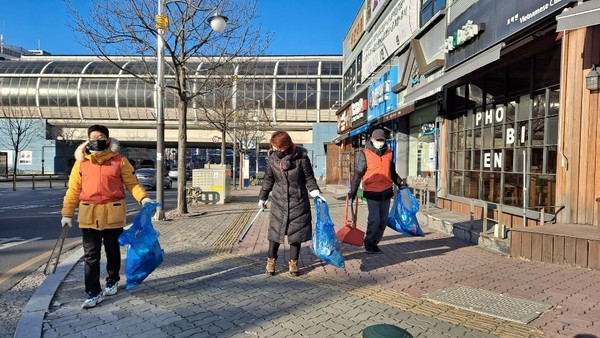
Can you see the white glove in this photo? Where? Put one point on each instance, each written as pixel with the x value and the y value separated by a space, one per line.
pixel 317 194
pixel 66 221
pixel 145 200
pixel 262 204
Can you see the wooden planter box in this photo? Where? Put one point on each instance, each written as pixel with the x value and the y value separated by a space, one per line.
pixel 568 244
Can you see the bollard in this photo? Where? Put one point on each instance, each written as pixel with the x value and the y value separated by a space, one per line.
pixel 385 331
pixel 50 180
pixel 32 182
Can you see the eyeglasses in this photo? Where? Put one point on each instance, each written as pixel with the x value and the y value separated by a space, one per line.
pixel 380 140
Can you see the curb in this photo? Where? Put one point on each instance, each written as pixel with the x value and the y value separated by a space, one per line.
pixel 32 318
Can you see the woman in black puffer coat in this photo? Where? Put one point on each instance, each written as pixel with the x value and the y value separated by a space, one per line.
pixel 290 178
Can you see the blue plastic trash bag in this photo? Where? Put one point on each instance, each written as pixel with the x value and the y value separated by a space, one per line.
pixel 403 216
pixel 144 253
pixel 324 242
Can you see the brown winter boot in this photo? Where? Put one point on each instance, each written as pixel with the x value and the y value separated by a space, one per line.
pixel 271 263
pixel 293 266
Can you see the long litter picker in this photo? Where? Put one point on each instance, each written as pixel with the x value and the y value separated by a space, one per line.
pixel 59 243
pixel 251 223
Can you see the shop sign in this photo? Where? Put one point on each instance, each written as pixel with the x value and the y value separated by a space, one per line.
pixel 359 112
pixel 467 32
pixel 25 157
pixel 373 9
pixel 502 20
pixel 357 30
pixel 394 30
pixel 514 137
pixel 381 98
pixel 344 120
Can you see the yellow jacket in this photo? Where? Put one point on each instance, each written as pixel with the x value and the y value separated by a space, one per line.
pixel 97 185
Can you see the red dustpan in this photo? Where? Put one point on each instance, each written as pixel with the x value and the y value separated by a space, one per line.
pixel 349 233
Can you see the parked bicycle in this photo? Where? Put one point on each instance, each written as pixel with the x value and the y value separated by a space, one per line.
pixel 194 195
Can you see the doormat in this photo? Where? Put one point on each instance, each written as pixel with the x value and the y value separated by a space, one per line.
pixel 489 303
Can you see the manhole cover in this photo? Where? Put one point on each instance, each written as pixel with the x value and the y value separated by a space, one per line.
pixel 489 303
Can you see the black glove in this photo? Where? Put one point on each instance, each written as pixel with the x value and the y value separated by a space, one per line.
pixel 352 194
pixel 401 184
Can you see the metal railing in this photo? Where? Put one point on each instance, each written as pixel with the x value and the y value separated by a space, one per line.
pixel 33 179
pixel 498 228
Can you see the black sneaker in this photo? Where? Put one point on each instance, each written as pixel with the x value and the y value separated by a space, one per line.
pixel 372 249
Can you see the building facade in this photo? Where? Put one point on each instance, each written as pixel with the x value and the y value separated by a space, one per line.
pixel 486 104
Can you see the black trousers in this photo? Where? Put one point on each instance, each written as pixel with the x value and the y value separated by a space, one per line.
pixel 92 244
pixel 376 220
pixel 274 247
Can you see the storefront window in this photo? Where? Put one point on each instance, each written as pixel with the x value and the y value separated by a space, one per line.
pixel 422 159
pixel 504 142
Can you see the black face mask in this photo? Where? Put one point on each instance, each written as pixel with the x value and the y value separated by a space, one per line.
pixel 98 145
pixel 280 154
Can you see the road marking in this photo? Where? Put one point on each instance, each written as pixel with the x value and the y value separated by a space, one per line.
pixel 22 207
pixel 4 242
pixel 8 274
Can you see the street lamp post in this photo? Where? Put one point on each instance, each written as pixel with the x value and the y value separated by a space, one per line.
pixel 257 119
pixel 235 117
pixel 43 159
pixel 161 25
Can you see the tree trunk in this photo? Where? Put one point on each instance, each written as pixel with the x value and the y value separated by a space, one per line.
pixel 223 143
pixel 181 158
pixel 15 161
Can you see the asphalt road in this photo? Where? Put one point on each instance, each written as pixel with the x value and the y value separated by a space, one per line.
pixel 30 226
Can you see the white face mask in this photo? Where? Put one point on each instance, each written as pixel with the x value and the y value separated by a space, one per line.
pixel 378 144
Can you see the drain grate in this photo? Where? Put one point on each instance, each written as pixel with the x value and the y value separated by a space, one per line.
pixel 489 303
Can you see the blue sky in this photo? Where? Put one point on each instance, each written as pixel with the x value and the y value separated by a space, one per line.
pixel 298 26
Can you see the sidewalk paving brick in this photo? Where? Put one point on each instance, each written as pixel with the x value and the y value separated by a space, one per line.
pixel 209 285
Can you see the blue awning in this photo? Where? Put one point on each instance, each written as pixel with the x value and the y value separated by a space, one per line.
pixel 360 129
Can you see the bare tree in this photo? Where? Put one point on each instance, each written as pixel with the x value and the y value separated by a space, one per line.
pixel 127 27
pixel 18 132
pixel 237 117
pixel 69 135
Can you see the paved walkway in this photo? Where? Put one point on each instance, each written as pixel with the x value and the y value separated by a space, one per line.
pixel 212 286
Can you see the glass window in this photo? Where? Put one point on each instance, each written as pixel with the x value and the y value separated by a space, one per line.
pixel 99 67
pixel 257 68
pixel 292 68
pixel 472 184
pixel 429 8
pixel 331 68
pixel 513 190
pixel 65 67
pixel 520 77
pixel 505 139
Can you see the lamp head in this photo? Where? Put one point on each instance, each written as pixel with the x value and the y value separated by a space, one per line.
pixel 218 22
pixel 591 80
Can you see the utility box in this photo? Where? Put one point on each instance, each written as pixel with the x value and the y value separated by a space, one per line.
pixel 215 181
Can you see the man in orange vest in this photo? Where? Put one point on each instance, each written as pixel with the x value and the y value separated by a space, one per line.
pixel 375 166
pixel 97 187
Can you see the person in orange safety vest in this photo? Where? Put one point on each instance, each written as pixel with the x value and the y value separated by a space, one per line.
pixel 97 186
pixel 375 167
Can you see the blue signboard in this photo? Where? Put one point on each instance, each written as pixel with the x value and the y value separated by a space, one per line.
pixel 381 98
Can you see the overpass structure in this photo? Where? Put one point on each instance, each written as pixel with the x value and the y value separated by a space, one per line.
pixel 289 93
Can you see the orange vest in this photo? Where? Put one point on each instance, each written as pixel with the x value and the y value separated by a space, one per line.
pixel 101 183
pixel 378 176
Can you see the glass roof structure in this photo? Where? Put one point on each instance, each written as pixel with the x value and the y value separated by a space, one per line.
pixel 289 88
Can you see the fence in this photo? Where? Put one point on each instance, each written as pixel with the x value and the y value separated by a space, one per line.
pixel 31 180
